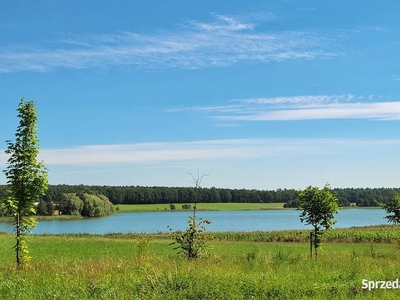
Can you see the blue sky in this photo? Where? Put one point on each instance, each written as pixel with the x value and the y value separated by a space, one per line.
pixel 257 94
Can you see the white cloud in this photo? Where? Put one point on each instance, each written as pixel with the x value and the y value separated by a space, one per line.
pixel 224 41
pixel 207 150
pixel 228 24
pixel 239 163
pixel 377 111
pixel 308 107
pixel 155 152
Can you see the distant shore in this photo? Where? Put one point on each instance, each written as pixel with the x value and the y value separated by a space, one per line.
pixel 179 207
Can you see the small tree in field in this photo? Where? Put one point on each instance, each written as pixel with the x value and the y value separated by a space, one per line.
pixel 26 177
pixel 319 207
pixel 192 242
pixel 393 209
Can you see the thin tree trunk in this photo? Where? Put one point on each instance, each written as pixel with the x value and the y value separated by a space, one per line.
pixel 315 243
pixel 18 245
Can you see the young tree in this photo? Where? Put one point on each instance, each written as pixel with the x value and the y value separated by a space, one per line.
pixel 192 242
pixel 319 207
pixel 26 177
pixel 393 209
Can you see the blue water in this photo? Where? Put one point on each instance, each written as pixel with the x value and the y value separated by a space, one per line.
pixel 154 222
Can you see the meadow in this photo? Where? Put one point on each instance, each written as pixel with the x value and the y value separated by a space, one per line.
pixel 240 266
pixel 200 206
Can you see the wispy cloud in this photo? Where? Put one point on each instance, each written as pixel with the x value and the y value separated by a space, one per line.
pixel 306 9
pixel 224 41
pixel 395 77
pixel 253 105
pixel 206 108
pixel 306 107
pixel 227 24
pixel 298 100
pixel 207 150
pixel 378 111
pixel 235 163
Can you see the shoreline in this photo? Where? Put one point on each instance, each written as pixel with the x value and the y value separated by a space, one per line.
pixel 139 208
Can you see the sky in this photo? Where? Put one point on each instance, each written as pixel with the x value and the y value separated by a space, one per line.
pixel 254 94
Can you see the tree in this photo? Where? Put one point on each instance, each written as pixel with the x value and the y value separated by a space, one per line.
pixel 192 242
pixel 70 204
pixel 196 181
pixel 393 209
pixel 319 207
pixel 95 205
pixel 26 177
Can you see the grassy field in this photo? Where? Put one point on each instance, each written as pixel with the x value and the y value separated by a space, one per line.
pixel 146 267
pixel 200 206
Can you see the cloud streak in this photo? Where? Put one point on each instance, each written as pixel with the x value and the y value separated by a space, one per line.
pixel 222 42
pixel 207 150
pixel 308 107
pixel 374 111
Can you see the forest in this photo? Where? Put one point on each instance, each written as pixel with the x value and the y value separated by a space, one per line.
pixel 60 196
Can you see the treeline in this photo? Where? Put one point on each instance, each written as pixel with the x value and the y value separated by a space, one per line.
pixel 168 195
pixel 362 197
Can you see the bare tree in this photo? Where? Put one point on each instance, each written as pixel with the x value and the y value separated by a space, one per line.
pixel 196 181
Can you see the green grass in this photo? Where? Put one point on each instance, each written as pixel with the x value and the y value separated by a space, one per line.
pixel 371 234
pixel 200 206
pixel 134 266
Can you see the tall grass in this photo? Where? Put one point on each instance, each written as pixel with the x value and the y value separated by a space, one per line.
pixel 145 267
pixel 375 234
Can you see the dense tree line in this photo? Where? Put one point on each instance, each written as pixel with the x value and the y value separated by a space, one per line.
pixel 362 197
pixel 167 195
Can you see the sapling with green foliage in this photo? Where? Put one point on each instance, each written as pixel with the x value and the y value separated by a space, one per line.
pixel 319 207
pixel 192 242
pixel 26 177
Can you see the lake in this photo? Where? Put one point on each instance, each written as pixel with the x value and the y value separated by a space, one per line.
pixel 153 222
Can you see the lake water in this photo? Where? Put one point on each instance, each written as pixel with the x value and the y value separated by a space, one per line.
pixel 267 220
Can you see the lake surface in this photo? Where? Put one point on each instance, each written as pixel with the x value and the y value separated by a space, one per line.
pixel 153 222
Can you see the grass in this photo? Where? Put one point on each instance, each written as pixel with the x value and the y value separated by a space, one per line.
pixel 134 266
pixel 369 234
pixel 200 206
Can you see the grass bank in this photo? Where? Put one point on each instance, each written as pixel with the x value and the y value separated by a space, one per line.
pixel 200 206
pixel 145 267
